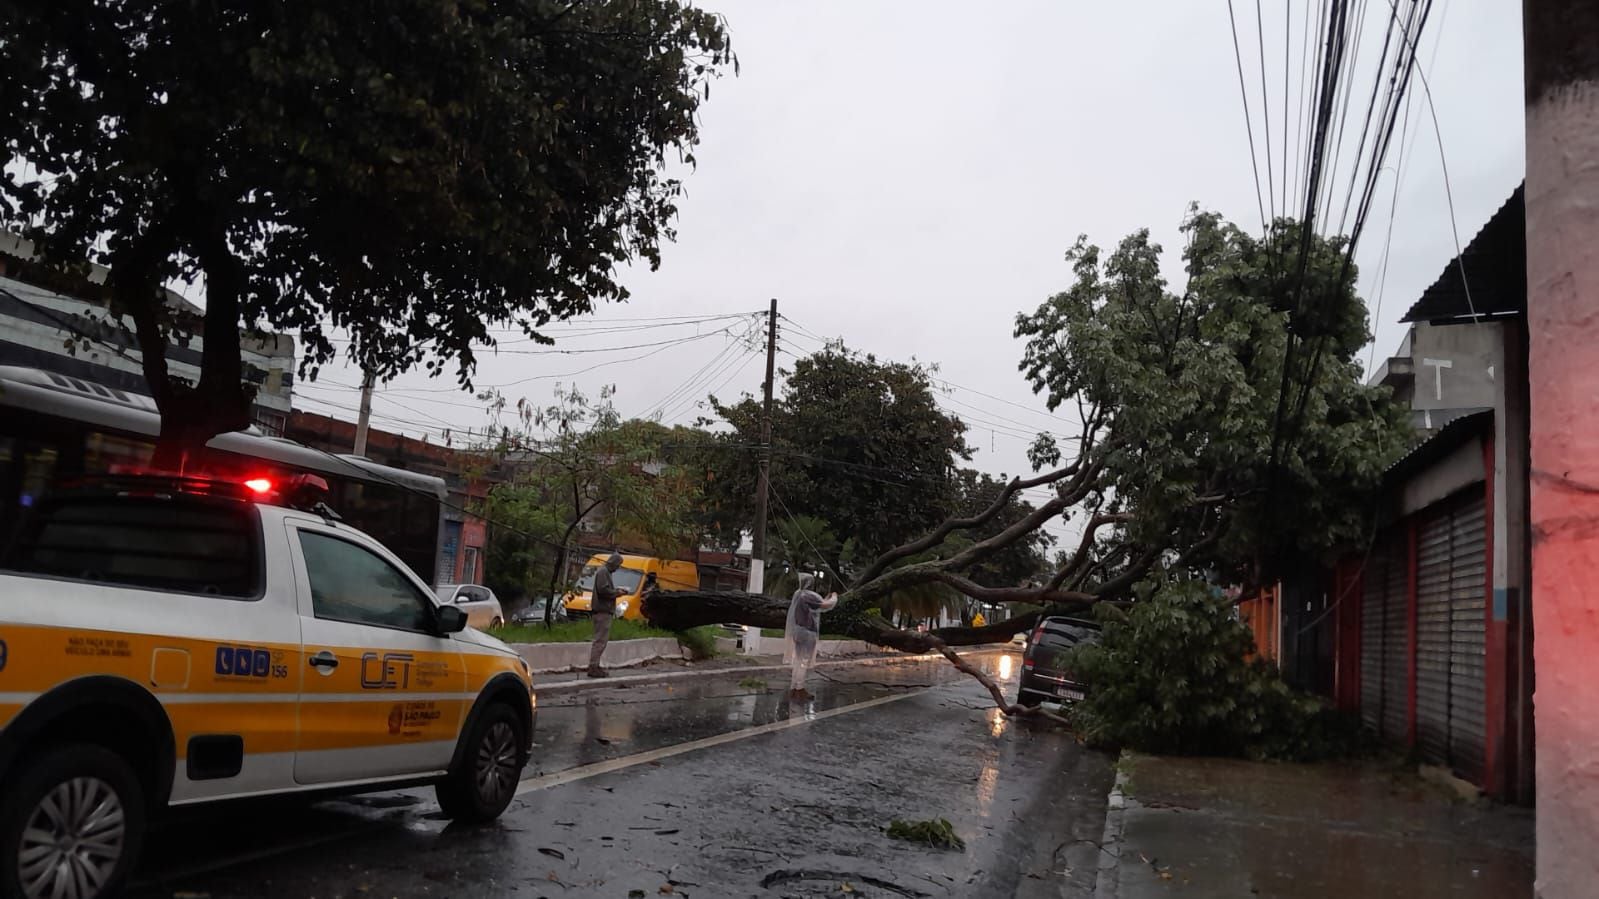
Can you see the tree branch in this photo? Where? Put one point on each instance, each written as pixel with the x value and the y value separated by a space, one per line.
pixel 1081 557
pixel 952 524
pixel 1010 594
pixel 1081 485
pixel 1129 576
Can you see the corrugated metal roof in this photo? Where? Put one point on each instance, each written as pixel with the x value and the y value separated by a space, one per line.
pixel 1495 264
pixel 1468 424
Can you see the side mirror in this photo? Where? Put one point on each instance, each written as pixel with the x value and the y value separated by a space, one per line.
pixel 451 620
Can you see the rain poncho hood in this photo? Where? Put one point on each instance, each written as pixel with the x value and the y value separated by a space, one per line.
pixel 804 624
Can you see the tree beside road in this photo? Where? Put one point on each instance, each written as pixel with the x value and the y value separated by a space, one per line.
pixel 414 175
pixel 1201 446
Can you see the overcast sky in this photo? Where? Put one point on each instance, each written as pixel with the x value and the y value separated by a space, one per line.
pixel 906 176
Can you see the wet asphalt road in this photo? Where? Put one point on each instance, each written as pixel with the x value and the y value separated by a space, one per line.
pixel 708 788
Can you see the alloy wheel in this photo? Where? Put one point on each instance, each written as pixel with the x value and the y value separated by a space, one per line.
pixel 73 840
pixel 496 769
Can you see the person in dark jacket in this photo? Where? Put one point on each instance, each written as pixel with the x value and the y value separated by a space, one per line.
pixel 603 608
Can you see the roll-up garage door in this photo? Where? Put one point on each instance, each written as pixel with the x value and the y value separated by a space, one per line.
pixel 1468 629
pixel 1374 588
pixel 1451 631
pixel 1432 636
pixel 1396 642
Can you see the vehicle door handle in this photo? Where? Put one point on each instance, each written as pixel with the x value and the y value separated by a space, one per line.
pixel 324 661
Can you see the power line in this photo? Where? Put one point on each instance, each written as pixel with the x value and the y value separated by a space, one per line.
pixel 1449 193
pixel 1249 126
pixel 1265 110
pixel 701 377
pixel 690 398
pixel 1402 167
pixel 520 381
pixel 748 358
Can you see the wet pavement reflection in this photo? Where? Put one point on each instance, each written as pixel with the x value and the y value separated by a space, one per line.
pixel 576 729
pixel 602 724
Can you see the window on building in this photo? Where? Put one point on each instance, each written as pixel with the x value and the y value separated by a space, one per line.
pixel 270 422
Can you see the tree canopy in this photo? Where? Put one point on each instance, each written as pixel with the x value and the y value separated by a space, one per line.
pixel 1181 392
pixel 1224 431
pixel 858 443
pixel 573 467
pixel 416 173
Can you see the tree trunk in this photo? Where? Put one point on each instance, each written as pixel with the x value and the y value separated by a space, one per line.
pixel 681 610
pixel 190 414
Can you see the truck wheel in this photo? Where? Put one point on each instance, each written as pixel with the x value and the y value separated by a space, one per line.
pixel 484 783
pixel 73 827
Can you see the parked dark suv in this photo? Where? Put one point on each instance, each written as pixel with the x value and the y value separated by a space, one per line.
pixel 1045 677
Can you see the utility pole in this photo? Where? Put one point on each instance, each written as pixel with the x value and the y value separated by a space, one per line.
pixel 365 420
pixel 1561 44
pixel 763 484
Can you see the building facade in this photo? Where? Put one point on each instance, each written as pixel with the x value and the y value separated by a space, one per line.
pixel 63 324
pixel 1426 633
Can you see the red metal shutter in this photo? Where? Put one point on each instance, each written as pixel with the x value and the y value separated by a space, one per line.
pixel 1433 564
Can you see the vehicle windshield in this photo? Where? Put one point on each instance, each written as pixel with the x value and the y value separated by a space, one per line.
pixel 625 579
pixel 1055 645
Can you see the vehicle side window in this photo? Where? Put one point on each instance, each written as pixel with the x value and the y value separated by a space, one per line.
pixel 179 543
pixel 351 583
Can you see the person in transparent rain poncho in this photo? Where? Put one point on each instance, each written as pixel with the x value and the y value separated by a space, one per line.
pixel 802 632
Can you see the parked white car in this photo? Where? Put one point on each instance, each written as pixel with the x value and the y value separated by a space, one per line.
pixel 481 606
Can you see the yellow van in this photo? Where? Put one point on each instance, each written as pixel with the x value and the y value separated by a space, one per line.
pixel 629 580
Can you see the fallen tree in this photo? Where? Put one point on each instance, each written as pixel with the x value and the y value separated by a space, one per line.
pixel 1205 444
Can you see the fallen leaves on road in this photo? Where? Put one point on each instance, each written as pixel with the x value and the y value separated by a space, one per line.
pixel 936 832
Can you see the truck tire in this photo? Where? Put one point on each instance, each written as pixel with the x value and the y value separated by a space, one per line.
pixel 75 823
pixel 484 782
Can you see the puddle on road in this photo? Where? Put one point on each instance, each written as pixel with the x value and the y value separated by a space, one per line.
pixel 610 723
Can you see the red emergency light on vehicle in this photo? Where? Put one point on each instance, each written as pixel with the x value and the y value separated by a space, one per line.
pixel 301 491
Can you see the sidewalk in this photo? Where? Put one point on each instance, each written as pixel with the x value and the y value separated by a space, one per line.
pixel 1204 828
pixel 668 670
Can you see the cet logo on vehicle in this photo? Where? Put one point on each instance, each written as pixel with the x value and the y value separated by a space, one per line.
pixel 386 671
pixel 243 661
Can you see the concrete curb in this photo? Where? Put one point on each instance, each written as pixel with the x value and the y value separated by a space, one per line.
pixel 638 680
pixel 551 658
pixel 1108 882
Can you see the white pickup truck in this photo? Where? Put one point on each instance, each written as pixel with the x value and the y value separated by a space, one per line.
pixel 169 641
